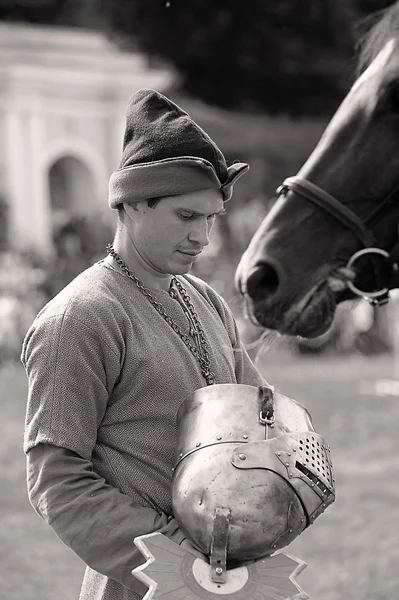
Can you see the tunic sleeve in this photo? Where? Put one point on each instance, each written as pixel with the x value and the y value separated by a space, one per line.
pixel 72 369
pixel 94 519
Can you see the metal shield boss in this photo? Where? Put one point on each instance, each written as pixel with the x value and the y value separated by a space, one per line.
pixel 252 456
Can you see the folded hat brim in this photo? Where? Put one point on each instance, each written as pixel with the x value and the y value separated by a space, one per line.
pixel 170 177
pixel 234 172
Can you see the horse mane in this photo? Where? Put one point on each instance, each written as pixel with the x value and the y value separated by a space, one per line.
pixel 377 29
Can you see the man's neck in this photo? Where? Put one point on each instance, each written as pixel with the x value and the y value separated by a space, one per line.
pixel 151 278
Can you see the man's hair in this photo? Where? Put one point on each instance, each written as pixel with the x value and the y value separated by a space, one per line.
pixel 152 203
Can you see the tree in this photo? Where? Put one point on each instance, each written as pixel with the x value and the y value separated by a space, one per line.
pixel 71 13
pixel 288 56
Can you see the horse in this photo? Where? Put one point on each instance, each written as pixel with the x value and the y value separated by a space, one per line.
pixel 332 233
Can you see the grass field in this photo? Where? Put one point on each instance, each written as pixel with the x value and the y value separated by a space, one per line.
pixel 352 550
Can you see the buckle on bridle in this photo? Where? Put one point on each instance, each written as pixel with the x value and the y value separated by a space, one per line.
pixel 379 297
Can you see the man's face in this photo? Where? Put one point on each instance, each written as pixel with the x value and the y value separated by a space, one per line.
pixel 171 236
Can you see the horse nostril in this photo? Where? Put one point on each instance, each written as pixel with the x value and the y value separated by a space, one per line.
pixel 262 281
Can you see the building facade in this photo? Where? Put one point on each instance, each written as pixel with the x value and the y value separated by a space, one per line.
pixel 63 97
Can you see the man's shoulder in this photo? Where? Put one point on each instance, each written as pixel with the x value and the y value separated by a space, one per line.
pixel 88 296
pixel 201 286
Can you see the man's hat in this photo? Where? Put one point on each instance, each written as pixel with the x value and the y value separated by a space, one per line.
pixel 165 154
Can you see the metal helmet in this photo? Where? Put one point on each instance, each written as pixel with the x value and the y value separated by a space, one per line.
pixel 251 471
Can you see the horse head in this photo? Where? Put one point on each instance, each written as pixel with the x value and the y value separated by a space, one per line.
pixel 332 233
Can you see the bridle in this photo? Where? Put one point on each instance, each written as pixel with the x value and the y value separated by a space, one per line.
pixel 388 276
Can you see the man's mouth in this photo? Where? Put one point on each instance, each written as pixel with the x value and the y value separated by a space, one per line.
pixel 190 252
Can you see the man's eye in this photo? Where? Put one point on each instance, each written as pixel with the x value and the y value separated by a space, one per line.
pixel 184 216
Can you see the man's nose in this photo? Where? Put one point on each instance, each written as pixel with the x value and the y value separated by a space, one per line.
pixel 200 234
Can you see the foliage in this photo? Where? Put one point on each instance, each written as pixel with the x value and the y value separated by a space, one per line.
pixel 72 13
pixel 291 56
pixel 252 55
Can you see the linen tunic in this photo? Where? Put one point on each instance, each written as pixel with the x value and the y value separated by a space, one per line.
pixel 106 377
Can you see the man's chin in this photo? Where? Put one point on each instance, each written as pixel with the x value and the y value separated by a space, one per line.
pixel 184 263
pixel 181 269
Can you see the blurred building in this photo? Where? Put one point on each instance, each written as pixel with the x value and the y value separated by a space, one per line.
pixel 63 96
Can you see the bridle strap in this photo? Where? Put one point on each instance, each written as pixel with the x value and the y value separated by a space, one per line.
pixel 318 196
pixel 310 191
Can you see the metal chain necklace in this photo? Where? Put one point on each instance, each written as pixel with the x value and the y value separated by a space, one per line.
pixel 199 347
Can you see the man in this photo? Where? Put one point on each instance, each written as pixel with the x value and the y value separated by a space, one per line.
pixel 111 358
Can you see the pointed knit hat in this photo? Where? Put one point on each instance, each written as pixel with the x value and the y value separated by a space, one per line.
pixel 165 154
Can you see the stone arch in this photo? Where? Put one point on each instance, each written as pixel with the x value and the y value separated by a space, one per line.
pixel 74 162
pixel 71 186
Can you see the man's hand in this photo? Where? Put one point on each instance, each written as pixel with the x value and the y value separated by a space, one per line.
pixel 186 544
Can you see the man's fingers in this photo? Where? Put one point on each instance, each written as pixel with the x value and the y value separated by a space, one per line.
pixel 188 546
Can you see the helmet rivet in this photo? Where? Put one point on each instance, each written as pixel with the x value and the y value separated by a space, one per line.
pixel 219 437
pixel 288 453
pixel 198 444
pixel 245 436
pixel 242 456
pixel 294 449
pixel 272 426
pixel 287 464
pixel 181 454
pixel 274 545
pixel 290 530
pixel 278 453
pixel 218 570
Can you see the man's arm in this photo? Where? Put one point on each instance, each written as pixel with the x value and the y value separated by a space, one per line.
pixel 94 519
pixel 72 369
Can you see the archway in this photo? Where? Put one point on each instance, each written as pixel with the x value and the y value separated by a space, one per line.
pixel 72 189
pixel 78 233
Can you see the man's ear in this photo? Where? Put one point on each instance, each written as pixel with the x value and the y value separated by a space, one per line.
pixel 131 210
